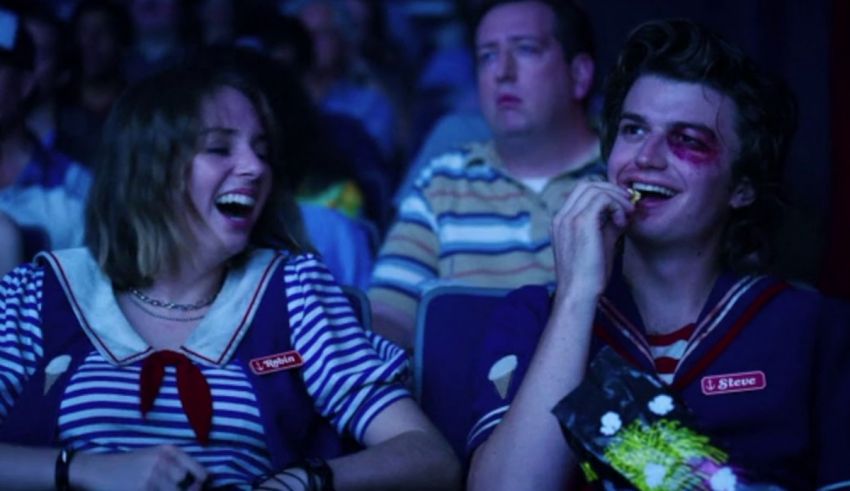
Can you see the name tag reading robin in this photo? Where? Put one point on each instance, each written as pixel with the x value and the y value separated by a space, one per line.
pixel 276 362
pixel 733 382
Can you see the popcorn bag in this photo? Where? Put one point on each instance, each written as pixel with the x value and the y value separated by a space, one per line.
pixel 630 432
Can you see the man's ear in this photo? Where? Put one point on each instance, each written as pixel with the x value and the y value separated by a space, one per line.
pixel 582 70
pixel 743 195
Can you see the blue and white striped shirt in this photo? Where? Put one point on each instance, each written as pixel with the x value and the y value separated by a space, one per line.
pixel 351 375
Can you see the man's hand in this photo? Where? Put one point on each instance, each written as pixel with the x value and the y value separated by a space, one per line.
pixel 584 233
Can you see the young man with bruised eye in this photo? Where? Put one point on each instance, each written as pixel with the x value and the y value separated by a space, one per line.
pixel 692 125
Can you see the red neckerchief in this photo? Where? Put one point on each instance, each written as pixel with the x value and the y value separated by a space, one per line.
pixel 194 391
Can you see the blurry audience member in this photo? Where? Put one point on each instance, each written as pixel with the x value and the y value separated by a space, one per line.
pixel 371 37
pixel 481 216
pixel 381 53
pixel 160 28
pixel 347 246
pixel 217 22
pixel 50 70
pixel 338 79
pixel 346 147
pixel 39 187
pixel 101 35
pixel 446 81
pixel 285 39
pixel 11 244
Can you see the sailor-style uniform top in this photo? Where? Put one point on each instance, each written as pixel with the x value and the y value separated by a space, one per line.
pixel 765 369
pixel 287 365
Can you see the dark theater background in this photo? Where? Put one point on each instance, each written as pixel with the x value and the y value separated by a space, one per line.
pixel 806 42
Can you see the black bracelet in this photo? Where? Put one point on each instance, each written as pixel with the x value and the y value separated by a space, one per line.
pixel 320 474
pixel 63 463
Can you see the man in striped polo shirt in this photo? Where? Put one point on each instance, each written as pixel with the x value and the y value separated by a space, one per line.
pixel 481 215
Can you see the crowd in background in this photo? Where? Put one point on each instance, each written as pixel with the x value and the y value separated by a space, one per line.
pixel 377 75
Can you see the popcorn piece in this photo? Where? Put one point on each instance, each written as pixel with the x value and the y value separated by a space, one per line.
pixel 661 404
pixel 654 474
pixel 723 480
pixel 611 423
pixel 634 196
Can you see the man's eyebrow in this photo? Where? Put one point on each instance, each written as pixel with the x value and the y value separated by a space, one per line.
pixel 700 127
pixel 485 44
pixel 703 128
pixel 514 39
pixel 528 37
pixel 633 117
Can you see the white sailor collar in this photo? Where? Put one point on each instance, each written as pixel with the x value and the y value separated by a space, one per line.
pixel 213 342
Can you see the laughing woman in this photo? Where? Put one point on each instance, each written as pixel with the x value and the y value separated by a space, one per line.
pixel 193 344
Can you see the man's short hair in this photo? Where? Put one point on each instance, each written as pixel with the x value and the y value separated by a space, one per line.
pixel 766 118
pixel 572 25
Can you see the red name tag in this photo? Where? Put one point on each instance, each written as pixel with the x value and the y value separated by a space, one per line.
pixel 276 362
pixel 733 382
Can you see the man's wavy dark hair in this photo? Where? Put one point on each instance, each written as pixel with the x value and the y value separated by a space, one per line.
pixel 766 120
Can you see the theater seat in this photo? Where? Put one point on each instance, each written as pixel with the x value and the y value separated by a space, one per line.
pixel 450 323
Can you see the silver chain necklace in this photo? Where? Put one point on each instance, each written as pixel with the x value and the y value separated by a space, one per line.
pixel 138 303
pixel 182 307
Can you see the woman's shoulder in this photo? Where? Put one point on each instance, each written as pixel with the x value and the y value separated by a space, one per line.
pixel 21 294
pixel 303 260
pixel 263 257
pixel 24 277
pixel 302 266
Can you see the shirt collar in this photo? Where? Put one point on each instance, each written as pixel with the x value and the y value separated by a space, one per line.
pixel 478 153
pixel 214 340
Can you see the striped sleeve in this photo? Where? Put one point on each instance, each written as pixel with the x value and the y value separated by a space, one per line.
pixel 351 375
pixel 20 332
pixel 409 258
